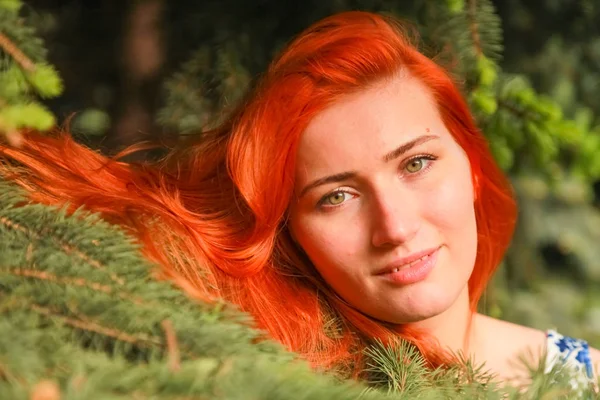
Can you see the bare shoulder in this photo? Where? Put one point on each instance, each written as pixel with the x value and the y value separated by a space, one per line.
pixel 504 331
pixel 595 355
pixel 503 345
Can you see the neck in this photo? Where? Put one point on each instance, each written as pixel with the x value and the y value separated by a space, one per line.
pixel 453 327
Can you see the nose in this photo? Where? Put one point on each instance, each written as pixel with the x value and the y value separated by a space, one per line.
pixel 395 218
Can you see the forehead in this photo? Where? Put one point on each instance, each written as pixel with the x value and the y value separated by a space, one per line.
pixel 366 125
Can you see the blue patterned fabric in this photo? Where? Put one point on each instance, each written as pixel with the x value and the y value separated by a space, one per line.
pixel 573 354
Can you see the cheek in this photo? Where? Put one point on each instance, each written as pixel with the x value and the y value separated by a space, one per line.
pixel 452 205
pixel 331 246
pixel 451 210
pixel 450 201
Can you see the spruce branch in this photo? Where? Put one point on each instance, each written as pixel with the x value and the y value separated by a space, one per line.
pixel 516 111
pixel 68 248
pixel 474 26
pixel 172 346
pixel 6 374
pixel 81 282
pixel 13 225
pixel 167 346
pixel 85 324
pixel 401 369
pixel 467 371
pixel 11 49
pixel 24 77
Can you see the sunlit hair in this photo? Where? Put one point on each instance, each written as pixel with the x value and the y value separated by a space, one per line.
pixel 212 214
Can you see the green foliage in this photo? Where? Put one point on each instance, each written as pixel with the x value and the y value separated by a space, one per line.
pixel 24 74
pixel 561 52
pixel 455 6
pixel 527 131
pixel 80 309
pixel 11 5
pixel 26 115
pixel 91 122
pixel 207 85
pixel 45 80
pixel 12 83
pixel 81 313
pixel 79 306
pixel 398 370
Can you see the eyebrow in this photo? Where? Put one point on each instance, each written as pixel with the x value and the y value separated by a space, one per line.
pixel 404 148
pixel 392 155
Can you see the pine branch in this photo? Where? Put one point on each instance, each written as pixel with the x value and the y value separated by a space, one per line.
pixel 401 369
pixel 209 84
pixel 75 328
pixel 172 346
pixel 474 27
pixel 82 317
pixel 79 282
pixel 9 47
pixel 63 322
pixel 24 76
pixel 67 248
pixel 84 324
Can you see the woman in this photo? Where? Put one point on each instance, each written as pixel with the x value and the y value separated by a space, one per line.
pixel 349 198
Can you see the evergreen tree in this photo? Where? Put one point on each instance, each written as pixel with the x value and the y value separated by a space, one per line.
pixel 24 75
pixel 82 315
pixel 554 45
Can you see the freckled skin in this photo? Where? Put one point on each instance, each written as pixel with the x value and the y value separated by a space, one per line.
pixel 392 209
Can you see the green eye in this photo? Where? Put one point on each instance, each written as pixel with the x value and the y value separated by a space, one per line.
pixel 415 165
pixel 336 198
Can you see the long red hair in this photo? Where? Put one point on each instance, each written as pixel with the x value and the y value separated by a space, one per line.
pixel 212 213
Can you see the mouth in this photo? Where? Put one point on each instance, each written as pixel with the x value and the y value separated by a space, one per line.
pixel 409 261
pixel 406 266
pixel 412 269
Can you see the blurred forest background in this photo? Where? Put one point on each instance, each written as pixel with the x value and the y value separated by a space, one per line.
pixel 148 69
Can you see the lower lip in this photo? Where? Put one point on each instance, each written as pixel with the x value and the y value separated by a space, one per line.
pixel 415 273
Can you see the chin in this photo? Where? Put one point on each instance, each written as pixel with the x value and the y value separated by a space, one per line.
pixel 417 309
pixel 413 316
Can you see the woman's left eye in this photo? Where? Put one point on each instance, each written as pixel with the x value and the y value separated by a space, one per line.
pixel 418 164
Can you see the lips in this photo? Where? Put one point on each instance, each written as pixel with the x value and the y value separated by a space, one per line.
pixel 407 262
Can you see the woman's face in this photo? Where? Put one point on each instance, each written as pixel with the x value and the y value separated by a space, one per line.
pixel 384 203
